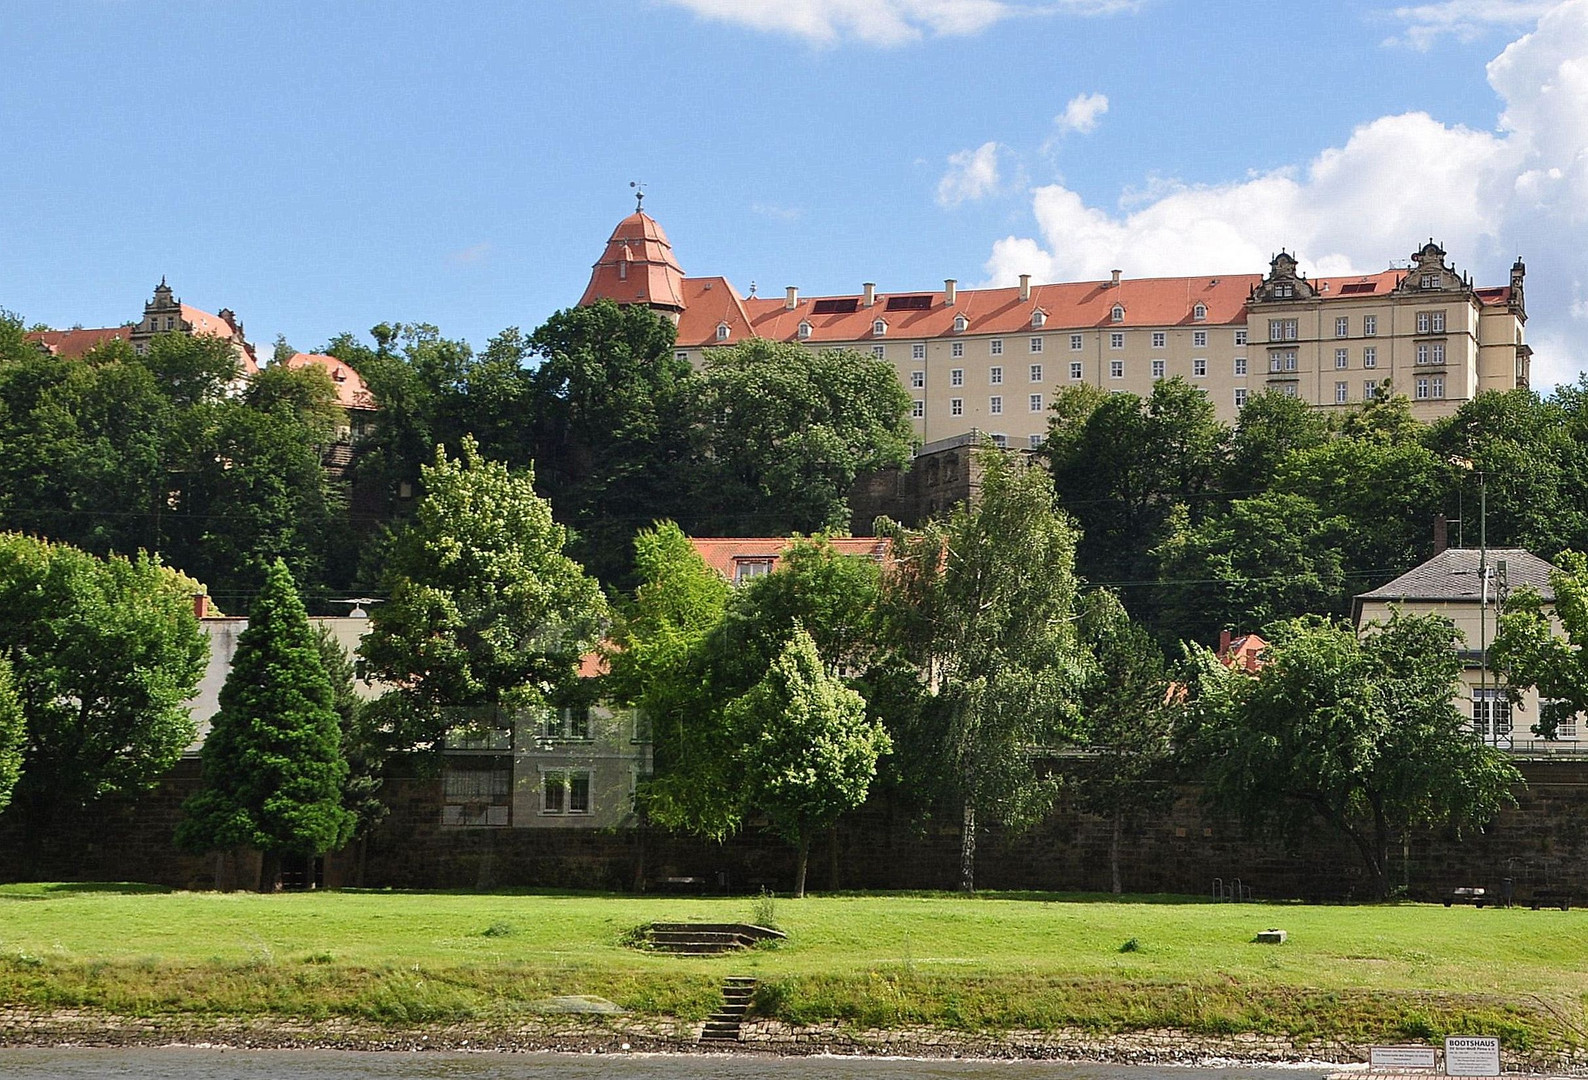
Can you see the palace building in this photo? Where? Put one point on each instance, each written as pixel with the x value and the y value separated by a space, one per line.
pixel 163 314
pixel 992 359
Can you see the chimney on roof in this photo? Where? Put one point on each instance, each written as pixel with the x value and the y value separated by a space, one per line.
pixel 791 299
pixel 1441 534
pixel 201 605
pixel 868 293
pixel 950 291
pixel 1115 282
pixel 1025 286
pixel 1224 644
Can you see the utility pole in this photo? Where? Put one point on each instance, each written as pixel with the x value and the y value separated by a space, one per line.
pixel 1491 715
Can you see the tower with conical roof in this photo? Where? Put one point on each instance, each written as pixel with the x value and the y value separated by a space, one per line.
pixel 638 267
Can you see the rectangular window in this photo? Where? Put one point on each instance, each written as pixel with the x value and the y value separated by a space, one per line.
pixel 750 569
pixel 1422 389
pixel 1036 403
pixel 1422 352
pixel 1159 339
pixel 1036 372
pixel 917 380
pixel 1075 369
pixel 1290 390
pixel 1000 441
pixel 956 406
pixel 1342 326
pixel 1199 339
pixel 1199 367
pixel 995 375
pixel 1036 444
pixel 996 346
pixel 918 409
pixel 1369 325
pixel 1342 393
pixel 1240 365
pixel 1342 359
pixel 1437 353
pixel 170 323
pixel 1240 397
pixel 1240 337
pixel 1369 390
pixel 1116 341
pixel 1157 369
pixel 1283 360
pixel 1282 329
pixel 956 376
pixel 995 405
pixel 879 351
pixel 1370 357
pixel 1424 322
pixel 1075 342
pixel 1491 715
pixel 918 351
pixel 1437 386
pixel 681 357
pixel 1439 322
pixel 1116 369
pixel 565 792
pixel 1036 344
pixel 957 349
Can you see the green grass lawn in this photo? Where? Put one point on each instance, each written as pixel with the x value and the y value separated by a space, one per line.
pixel 992 962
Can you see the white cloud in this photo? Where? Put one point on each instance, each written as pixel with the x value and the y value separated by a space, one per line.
pixel 971 175
pixel 887 22
pixel 475 253
pixel 1487 196
pixel 1083 113
pixel 1463 19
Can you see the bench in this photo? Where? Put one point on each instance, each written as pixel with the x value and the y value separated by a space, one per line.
pixel 1560 898
pixel 1474 896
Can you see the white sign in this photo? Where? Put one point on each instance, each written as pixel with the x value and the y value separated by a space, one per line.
pixel 1401 1058
pixel 1469 1056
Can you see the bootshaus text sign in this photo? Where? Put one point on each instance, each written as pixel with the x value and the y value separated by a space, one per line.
pixel 1472 1056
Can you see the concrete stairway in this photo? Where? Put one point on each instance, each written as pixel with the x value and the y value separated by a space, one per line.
pixel 704 939
pixel 723 1025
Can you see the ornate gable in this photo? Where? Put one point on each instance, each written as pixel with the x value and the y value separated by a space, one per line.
pixel 1283 282
pixel 1431 273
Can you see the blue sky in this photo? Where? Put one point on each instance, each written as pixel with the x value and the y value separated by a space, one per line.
pixel 324 166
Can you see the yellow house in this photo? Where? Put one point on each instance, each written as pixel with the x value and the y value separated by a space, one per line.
pixel 1468 587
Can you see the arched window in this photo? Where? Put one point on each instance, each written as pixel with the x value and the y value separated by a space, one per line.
pixel 722 331
pixel 960 324
pixel 1038 318
pixel 804 330
pixel 1118 314
pixel 879 328
pixel 1199 312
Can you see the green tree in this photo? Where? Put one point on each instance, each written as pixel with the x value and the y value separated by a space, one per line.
pixel 1128 771
pixel 1359 733
pixel 13 733
pixel 1528 653
pixel 484 608
pixel 656 663
pixel 105 652
pixel 1121 464
pixel 809 751
pixel 362 746
pixel 783 433
pixel 983 606
pixel 273 770
pixel 1272 556
pixel 611 426
pixel 1270 428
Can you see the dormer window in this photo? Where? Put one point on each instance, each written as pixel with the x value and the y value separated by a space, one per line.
pixel 879 327
pixel 722 331
pixel 1200 312
pixel 961 324
pixel 1038 318
pixel 1430 281
pixel 1118 314
pixel 804 330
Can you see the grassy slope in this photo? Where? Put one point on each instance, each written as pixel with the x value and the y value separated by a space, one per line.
pixel 1352 973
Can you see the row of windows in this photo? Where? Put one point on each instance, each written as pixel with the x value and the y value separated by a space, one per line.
pixel 154 323
pixel 1116 370
pixel 995 406
pixel 995 346
pixel 1428 352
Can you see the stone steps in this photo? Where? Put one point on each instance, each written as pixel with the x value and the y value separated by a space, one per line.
pixel 706 939
pixel 723 1025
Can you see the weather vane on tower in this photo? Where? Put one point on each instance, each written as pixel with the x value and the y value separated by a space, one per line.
pixel 639 195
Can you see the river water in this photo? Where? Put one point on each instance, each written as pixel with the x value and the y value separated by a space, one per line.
pixel 182 1063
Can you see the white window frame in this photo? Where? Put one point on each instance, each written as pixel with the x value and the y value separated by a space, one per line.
pixel 804 330
pixel 1117 314
pixel 918 351
pixel 1370 356
pixel 1342 359
pixel 879 327
pixel 1342 326
pixel 1034 403
pixel 995 405
pixel 956 406
pixel 956 376
pixel 723 331
pixel 1199 367
pixel 917 409
pixel 1160 340
pixel 957 349
pixel 1240 365
pixel 1240 337
pixel 879 351
pixel 1422 389
pixel 1036 344
pixel 681 356
pixel 1199 339
pixel 1370 326
pixel 1240 397
pixel 1342 393
pixel 995 376
pixel 1116 340
pixel 917 380
pixel 1116 369
pixel 1200 313
pixel 1036 373
pixel 1075 370
pixel 1159 368
pixel 1369 390
pixel 1076 343
pixel 995 347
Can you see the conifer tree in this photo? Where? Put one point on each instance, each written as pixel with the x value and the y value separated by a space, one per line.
pixel 11 733
pixel 273 769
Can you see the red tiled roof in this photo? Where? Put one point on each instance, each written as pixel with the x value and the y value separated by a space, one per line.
pixel 351 392
pixel 637 267
pixel 1243 652
pixel 74 343
pixel 722 554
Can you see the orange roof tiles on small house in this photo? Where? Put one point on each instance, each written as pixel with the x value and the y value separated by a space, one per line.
pixel 1245 651
pixel 351 393
pixel 738 559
